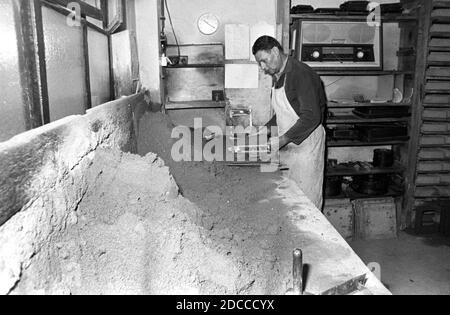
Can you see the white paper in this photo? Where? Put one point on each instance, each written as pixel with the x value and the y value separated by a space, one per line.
pixel 241 76
pixel 237 42
pixel 258 30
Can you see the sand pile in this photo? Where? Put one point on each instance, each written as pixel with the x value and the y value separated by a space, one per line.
pixel 134 233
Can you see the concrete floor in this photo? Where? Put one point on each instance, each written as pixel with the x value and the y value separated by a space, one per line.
pixel 410 265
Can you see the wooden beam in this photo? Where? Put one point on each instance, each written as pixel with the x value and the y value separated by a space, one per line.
pixel 87 73
pixel 25 23
pixel 104 5
pixel 86 9
pixel 424 25
pixel 112 88
pixel 42 62
pixel 284 19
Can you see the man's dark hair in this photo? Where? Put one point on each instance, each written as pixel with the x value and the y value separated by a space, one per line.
pixel 266 43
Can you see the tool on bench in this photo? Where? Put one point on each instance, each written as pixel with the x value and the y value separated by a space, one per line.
pixel 298 272
pixel 353 286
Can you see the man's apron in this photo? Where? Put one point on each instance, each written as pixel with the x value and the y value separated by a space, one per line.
pixel 306 161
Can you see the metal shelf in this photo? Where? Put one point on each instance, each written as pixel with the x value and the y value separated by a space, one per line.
pixel 338 105
pixel 352 119
pixel 394 191
pixel 195 66
pixel 341 144
pixel 362 73
pixel 350 171
pixel 194 105
pixel 387 18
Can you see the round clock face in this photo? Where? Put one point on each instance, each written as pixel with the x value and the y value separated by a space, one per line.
pixel 208 24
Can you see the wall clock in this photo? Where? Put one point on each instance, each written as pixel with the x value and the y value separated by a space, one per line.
pixel 208 24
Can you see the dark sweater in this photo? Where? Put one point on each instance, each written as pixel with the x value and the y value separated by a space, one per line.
pixel 306 94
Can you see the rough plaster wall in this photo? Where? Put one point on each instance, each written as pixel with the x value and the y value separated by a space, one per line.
pixel 43 179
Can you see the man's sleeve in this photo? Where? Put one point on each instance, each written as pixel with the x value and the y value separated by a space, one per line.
pixel 310 114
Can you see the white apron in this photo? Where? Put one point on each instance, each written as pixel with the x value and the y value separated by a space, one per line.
pixel 306 162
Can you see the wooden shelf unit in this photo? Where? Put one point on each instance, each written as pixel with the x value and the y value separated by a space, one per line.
pixel 411 58
pixel 356 143
pixel 353 119
pixel 337 105
pixel 394 191
pixel 352 171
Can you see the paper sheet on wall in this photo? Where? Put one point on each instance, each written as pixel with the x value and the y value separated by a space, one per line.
pixel 258 30
pixel 241 76
pixel 237 42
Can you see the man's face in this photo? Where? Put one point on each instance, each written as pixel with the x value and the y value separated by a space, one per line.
pixel 270 61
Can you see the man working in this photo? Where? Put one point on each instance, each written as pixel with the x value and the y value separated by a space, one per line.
pixel 299 102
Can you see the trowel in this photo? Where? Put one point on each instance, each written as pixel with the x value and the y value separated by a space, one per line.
pixel 353 286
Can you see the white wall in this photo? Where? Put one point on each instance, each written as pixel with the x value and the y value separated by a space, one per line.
pixel 147 33
pixel 185 14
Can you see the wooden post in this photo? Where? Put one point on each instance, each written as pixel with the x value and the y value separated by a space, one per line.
pixel 284 19
pixel 87 66
pixel 424 24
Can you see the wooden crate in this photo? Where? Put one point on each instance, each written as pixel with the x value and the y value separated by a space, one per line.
pixel 376 219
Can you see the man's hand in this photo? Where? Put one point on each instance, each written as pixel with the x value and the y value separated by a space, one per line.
pixel 277 143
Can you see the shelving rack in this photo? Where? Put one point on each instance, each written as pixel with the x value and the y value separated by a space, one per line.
pixel 429 162
pixel 200 64
pixel 412 53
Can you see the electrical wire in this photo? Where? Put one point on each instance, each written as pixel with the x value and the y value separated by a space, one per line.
pixel 173 29
pixel 335 82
